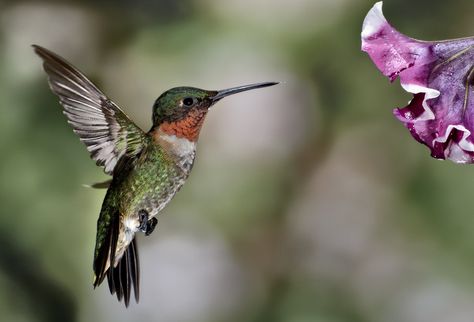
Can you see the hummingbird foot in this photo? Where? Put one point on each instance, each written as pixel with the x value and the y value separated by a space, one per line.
pixel 150 226
pixel 146 225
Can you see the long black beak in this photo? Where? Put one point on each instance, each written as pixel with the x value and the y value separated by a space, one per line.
pixel 234 90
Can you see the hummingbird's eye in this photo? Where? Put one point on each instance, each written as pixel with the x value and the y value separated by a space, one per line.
pixel 189 101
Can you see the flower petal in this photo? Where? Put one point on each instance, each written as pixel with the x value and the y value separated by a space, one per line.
pixel 440 74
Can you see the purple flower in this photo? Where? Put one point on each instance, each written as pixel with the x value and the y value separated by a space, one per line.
pixel 440 74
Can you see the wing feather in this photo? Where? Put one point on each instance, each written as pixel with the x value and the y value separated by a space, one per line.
pixel 105 129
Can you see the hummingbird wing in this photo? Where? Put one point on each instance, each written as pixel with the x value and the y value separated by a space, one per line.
pixel 105 129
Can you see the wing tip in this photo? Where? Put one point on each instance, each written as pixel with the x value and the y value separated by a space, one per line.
pixel 41 51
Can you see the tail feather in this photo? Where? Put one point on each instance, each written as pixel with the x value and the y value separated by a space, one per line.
pixel 126 274
pixel 132 252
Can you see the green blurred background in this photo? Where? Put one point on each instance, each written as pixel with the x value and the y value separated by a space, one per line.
pixel 308 201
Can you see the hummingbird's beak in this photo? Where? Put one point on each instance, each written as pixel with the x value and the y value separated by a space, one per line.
pixel 234 90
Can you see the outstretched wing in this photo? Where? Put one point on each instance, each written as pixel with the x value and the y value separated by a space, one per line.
pixel 105 129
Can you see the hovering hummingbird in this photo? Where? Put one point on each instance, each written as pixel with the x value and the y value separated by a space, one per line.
pixel 147 168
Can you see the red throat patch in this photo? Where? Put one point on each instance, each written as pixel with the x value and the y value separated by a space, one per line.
pixel 188 127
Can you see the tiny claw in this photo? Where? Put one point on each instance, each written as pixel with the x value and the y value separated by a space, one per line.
pixel 150 226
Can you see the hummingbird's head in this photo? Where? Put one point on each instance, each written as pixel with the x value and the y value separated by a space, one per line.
pixel 181 111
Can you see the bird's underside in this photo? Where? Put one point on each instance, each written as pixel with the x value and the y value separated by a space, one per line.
pixel 133 200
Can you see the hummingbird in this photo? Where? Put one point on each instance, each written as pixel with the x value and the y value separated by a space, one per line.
pixel 147 168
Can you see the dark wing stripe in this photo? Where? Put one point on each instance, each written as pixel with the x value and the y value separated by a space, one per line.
pixel 114 231
pixel 108 132
pixel 105 253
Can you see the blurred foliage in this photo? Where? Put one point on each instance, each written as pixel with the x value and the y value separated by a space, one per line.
pixel 317 206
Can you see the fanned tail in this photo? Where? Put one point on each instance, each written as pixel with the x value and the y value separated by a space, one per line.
pixel 126 274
